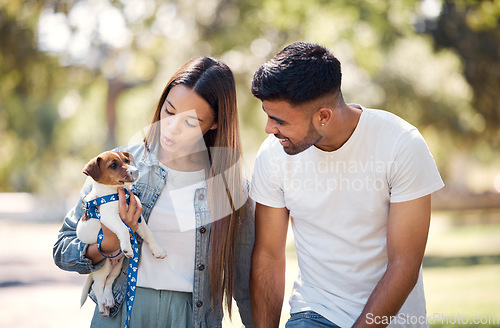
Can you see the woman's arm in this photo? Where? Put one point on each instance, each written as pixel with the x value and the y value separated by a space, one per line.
pixel 69 252
pixel 243 264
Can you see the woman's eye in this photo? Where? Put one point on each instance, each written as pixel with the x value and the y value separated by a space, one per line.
pixel 168 113
pixel 113 166
pixel 190 124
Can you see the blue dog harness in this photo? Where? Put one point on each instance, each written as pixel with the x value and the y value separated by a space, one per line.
pixel 91 207
pixel 92 210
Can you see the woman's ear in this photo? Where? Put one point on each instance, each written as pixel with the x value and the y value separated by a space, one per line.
pixel 214 126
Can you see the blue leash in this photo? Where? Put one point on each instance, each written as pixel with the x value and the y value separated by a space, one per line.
pixel 133 268
pixel 91 207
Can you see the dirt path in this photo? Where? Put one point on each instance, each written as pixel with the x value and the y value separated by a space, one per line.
pixel 34 293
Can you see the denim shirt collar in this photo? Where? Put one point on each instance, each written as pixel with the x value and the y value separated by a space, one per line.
pixel 150 157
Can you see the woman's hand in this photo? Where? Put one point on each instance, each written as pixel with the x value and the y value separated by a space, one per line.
pixel 129 214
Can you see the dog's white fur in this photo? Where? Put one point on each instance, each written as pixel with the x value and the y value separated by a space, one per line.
pixel 87 231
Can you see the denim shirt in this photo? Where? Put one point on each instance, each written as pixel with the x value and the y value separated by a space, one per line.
pixel 69 252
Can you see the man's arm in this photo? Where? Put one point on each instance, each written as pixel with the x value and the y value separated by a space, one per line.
pixel 407 232
pixel 267 277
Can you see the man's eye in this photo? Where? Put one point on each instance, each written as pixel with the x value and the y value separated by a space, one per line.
pixel 113 166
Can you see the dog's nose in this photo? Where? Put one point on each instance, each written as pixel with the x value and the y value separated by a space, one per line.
pixel 134 173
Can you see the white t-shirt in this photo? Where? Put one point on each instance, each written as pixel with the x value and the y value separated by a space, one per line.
pixel 172 221
pixel 339 205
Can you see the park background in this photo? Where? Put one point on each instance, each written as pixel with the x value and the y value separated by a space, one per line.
pixel 78 77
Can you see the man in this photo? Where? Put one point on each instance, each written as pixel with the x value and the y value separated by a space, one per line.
pixel 356 183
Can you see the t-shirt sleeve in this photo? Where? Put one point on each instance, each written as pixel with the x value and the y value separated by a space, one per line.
pixel 414 173
pixel 266 187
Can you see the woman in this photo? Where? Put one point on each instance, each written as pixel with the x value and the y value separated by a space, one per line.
pixel 194 198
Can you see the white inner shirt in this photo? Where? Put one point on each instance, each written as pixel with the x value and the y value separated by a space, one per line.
pixel 172 222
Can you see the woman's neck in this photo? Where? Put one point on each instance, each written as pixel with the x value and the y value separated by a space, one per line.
pixel 181 162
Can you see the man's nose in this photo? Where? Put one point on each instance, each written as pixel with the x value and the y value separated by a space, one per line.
pixel 271 127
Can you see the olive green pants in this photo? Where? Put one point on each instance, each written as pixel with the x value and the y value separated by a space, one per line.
pixel 152 309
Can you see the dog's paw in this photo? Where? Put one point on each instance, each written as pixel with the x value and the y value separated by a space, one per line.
pixel 103 310
pixel 127 249
pixel 108 302
pixel 128 252
pixel 159 253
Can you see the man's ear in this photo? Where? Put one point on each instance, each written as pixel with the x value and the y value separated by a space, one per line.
pixel 324 115
pixel 92 168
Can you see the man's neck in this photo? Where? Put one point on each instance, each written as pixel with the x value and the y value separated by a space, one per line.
pixel 344 122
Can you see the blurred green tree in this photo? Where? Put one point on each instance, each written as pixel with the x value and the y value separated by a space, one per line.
pixel 472 30
pixel 64 66
pixel 71 67
pixel 387 61
pixel 29 84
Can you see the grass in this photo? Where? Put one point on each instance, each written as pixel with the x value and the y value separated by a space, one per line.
pixel 462 269
pixel 463 291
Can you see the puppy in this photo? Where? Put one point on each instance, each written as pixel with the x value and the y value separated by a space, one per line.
pixel 109 171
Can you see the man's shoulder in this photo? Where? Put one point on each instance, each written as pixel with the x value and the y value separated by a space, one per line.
pixel 388 119
pixel 389 125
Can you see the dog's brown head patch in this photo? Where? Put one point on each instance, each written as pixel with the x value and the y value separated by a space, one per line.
pixel 112 168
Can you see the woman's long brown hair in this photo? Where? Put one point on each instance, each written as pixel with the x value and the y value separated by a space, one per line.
pixel 214 81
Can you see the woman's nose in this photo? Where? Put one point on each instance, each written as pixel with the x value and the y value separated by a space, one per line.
pixel 174 124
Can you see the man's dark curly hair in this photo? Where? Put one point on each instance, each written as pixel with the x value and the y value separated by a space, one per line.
pixel 299 73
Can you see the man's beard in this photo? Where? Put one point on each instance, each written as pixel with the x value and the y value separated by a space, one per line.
pixel 311 138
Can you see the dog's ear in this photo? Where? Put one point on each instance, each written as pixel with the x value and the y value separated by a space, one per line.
pixel 92 168
pixel 129 156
